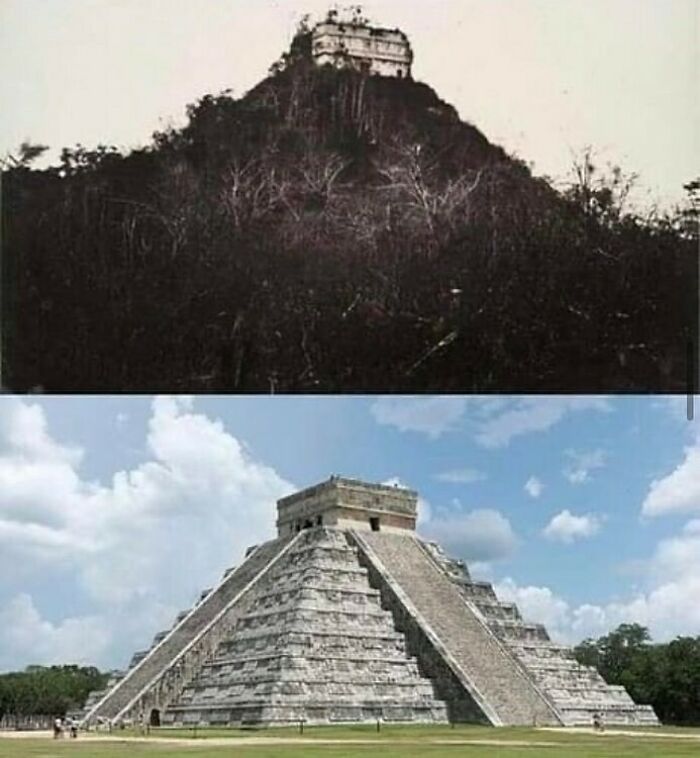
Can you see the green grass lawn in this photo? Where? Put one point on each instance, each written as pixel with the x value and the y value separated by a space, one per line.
pixel 391 742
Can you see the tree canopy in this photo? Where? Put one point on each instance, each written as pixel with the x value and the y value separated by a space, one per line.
pixel 665 675
pixel 330 232
pixel 48 690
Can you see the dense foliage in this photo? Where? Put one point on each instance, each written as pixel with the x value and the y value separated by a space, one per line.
pixel 333 232
pixel 667 676
pixel 52 690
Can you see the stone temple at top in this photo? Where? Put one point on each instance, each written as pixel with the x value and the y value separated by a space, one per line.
pixel 376 51
pixel 348 616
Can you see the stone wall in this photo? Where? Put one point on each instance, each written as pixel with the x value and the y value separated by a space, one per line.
pixel 339 501
pixel 383 52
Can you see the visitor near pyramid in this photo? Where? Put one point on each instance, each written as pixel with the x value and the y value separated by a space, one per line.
pixel 348 616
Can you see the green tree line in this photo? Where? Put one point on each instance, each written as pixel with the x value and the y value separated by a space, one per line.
pixel 47 690
pixel 664 675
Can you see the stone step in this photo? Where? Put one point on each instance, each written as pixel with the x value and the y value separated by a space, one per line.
pixel 296 634
pixel 519 630
pixel 479 591
pixel 498 611
pixel 241 691
pixel 305 610
pixel 540 649
pixel 306 640
pixel 398 671
pixel 326 571
pixel 311 713
pixel 284 660
pixel 160 658
pixel 325 596
pixel 488 672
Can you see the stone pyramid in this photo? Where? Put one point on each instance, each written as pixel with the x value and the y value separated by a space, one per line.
pixel 349 617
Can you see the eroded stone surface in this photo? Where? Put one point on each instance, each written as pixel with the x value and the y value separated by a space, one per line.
pixel 349 617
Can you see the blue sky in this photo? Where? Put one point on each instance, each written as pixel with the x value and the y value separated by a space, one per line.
pixel 116 511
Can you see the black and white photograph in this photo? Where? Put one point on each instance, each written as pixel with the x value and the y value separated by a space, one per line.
pixel 273 197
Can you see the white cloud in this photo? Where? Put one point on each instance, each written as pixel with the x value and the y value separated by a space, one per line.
pixel 665 607
pixel 430 415
pixel 538 604
pixel 24 435
pixel 395 481
pixel 532 414
pixel 425 513
pixel 679 492
pixel 494 421
pixel 580 465
pixel 566 527
pixel 25 636
pixel 200 496
pixel 461 476
pixel 533 487
pixel 481 535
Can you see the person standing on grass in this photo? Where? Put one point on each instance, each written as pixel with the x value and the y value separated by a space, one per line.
pixel 57 728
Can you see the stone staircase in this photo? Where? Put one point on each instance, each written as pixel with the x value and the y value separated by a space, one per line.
pixel 577 692
pixel 491 675
pixel 314 645
pixel 157 675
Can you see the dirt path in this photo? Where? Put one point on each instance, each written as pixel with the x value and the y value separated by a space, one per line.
pixel 229 741
pixel 247 741
pixel 613 732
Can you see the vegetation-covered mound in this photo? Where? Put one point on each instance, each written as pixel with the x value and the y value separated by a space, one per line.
pixel 334 232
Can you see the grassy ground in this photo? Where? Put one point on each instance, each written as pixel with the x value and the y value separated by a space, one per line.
pixel 364 742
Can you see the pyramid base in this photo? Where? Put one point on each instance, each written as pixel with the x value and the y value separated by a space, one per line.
pixel 290 715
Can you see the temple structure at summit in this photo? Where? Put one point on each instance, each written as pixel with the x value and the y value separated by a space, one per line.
pixel 348 616
pixel 357 45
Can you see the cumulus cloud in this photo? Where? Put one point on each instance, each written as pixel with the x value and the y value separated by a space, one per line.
pixel 679 491
pixel 533 487
pixel 580 465
pixel 665 606
pixel 482 535
pixel 538 604
pixel 26 636
pixel 461 476
pixel 140 547
pixel 430 415
pixel 566 527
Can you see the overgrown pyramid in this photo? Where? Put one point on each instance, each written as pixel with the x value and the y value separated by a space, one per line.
pixel 348 617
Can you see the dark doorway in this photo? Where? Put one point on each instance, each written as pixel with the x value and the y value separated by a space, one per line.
pixel 155 717
pixel 374 523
